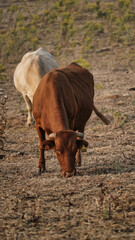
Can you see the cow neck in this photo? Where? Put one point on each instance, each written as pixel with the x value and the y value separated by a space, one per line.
pixel 57 114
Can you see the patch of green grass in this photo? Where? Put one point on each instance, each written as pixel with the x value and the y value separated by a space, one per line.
pixel 1 13
pixel 119 118
pixel 46 12
pixel 3 74
pixel 2 68
pixel 13 8
pixel 35 18
pixel 116 16
pixel 83 62
pixel 106 214
pixel 98 86
pixel 67 25
pixel 53 16
pixel 57 6
pixel 93 26
pixel 69 4
pixel 123 4
pixel 28 28
pixel 88 43
pixel 76 43
pixel 92 7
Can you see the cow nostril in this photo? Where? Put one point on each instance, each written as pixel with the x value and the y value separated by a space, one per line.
pixel 64 174
pixel 68 174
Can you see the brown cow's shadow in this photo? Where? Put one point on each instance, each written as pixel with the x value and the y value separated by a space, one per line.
pixel 83 171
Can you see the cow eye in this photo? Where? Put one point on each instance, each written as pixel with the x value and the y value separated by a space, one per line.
pixel 59 151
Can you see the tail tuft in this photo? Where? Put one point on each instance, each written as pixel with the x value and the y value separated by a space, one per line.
pixel 101 116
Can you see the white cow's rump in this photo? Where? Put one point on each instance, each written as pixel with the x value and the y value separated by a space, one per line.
pixel 28 73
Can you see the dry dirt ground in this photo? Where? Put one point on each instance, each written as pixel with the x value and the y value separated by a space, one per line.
pixel 99 202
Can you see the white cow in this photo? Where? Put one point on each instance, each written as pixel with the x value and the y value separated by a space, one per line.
pixel 28 73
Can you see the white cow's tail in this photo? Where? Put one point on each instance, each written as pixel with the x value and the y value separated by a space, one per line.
pixel 101 116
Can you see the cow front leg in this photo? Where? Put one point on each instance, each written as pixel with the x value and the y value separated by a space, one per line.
pixel 78 158
pixel 41 163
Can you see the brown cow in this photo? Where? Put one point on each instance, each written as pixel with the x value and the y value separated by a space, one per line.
pixel 62 104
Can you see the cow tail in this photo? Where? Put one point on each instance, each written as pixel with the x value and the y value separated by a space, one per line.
pixel 101 116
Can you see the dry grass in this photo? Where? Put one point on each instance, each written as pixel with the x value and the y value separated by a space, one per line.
pixel 98 203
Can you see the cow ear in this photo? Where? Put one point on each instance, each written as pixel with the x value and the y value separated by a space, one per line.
pixel 48 144
pixel 80 143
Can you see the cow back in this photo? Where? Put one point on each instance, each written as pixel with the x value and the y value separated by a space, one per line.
pixel 64 98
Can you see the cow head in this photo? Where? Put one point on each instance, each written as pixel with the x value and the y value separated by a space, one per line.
pixel 66 144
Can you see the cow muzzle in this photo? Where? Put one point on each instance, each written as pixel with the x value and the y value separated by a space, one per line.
pixel 68 174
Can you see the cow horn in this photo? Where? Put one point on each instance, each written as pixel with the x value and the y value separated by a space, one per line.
pixel 80 134
pixel 52 136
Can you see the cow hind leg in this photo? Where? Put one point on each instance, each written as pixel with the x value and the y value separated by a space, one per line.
pixel 29 109
pixel 78 158
pixel 41 163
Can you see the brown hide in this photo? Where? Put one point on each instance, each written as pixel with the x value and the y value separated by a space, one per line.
pixel 63 101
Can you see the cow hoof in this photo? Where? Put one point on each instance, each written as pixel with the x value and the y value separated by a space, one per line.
pixel 28 124
pixel 42 170
pixel 78 165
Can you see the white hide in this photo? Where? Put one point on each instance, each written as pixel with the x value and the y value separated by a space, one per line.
pixel 28 73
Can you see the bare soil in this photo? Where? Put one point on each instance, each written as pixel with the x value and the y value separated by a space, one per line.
pixel 98 203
